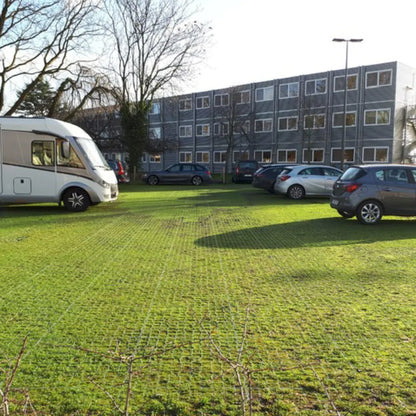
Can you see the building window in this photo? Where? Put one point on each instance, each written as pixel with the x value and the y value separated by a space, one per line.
pixel 376 117
pixel 264 94
pixel 220 157
pixel 202 157
pixel 290 90
pixel 349 155
pixel 286 156
pixel 240 155
pixel 315 121
pixel 185 157
pixel 185 104
pixel 375 154
pixel 288 123
pixel 155 158
pixel 339 82
pixel 185 131
pixel 242 97
pixel 315 86
pixel 155 132
pixel 221 100
pixel 155 108
pixel 202 129
pixel 263 156
pixel 221 129
pixel 263 126
pixel 338 119
pixel 378 78
pixel 202 102
pixel 313 155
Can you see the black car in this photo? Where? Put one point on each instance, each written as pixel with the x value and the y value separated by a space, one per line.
pixel 265 177
pixel 244 170
pixel 185 173
pixel 119 169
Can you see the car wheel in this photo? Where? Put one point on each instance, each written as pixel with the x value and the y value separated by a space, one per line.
pixel 345 214
pixel 152 180
pixel 196 180
pixel 369 212
pixel 296 192
pixel 76 200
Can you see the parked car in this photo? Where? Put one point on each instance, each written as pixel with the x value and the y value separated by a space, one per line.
pixel 191 173
pixel 371 191
pixel 244 170
pixel 265 177
pixel 306 180
pixel 120 170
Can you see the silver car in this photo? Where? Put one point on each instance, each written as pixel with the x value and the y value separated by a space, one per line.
pixel 371 191
pixel 306 180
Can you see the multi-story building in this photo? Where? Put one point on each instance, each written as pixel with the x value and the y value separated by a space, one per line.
pixel 298 119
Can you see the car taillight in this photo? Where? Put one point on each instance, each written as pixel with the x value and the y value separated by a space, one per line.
pixel 208 172
pixel 352 187
pixel 284 178
pixel 237 170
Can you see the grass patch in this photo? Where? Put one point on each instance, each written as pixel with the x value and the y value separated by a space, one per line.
pixel 166 272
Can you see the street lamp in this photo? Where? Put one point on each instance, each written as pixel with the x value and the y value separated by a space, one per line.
pixel 344 134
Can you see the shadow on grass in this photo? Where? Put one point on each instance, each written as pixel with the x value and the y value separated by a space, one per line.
pixel 323 232
pixel 31 210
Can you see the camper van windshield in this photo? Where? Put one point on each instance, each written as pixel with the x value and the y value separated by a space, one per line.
pixel 92 153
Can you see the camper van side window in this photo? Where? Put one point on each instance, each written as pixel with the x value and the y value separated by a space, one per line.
pixel 43 153
pixel 67 155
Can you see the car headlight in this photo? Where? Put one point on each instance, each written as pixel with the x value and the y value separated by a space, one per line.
pixel 106 184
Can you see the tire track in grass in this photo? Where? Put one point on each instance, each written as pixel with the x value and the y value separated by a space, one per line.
pixel 262 244
pixel 308 334
pixel 40 292
pixel 106 268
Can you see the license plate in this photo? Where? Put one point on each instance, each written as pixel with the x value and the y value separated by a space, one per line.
pixel 248 175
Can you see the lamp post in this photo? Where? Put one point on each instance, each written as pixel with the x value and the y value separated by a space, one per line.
pixel 344 133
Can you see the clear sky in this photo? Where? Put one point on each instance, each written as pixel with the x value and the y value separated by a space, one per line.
pixel 258 40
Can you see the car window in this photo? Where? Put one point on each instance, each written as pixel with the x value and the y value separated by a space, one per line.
pixel 353 174
pixel 380 175
pixel 331 172
pixel 174 168
pixel 311 171
pixel 187 168
pixel 413 173
pixel 396 175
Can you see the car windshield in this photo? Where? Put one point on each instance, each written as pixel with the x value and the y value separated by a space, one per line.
pixel 352 174
pixel 92 153
pixel 249 165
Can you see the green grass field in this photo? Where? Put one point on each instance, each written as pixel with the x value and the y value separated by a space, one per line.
pixel 319 312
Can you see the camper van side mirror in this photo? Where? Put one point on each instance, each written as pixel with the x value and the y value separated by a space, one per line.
pixel 65 150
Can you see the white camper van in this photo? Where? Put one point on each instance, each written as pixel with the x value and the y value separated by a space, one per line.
pixel 47 160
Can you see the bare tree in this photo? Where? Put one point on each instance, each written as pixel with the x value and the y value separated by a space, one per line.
pixel 9 375
pixel 156 45
pixel 43 39
pixel 233 124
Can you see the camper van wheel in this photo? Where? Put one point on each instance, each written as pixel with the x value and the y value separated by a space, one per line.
pixel 76 200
